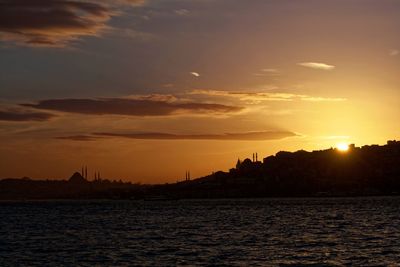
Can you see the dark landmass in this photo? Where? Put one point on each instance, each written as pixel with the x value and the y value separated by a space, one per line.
pixel 365 171
pixel 77 187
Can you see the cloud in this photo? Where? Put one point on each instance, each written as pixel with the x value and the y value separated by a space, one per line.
pixel 154 97
pixel 78 138
pixel 394 52
pixel 246 136
pixel 131 33
pixel 270 70
pixel 256 97
pixel 131 2
pixel 322 99
pixel 195 74
pixel 131 107
pixel 182 12
pixel 54 23
pixel 21 116
pixel 267 72
pixel 316 65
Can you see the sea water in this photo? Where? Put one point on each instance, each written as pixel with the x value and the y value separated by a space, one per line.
pixel 241 232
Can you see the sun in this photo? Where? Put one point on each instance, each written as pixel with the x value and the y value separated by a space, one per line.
pixel 343 147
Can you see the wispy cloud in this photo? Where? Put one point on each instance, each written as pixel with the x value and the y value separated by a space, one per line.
pixel 130 33
pixel 78 138
pixel 394 52
pixel 316 65
pixel 155 97
pixel 267 72
pixel 321 99
pixel 21 116
pixel 245 136
pixel 256 97
pixel 182 12
pixel 195 74
pixel 132 107
pixel 131 2
pixel 274 71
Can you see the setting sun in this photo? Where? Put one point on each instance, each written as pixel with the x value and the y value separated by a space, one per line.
pixel 342 147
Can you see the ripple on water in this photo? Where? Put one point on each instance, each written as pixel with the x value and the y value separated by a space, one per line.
pixel 259 232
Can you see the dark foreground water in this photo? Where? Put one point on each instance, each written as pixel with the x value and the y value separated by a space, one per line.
pixel 268 232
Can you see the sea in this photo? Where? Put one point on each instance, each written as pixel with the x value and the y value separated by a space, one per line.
pixel 224 232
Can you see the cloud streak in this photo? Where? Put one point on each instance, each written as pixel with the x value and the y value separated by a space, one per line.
pixel 394 52
pixel 131 107
pixel 78 138
pixel 245 136
pixel 317 65
pixel 23 116
pixel 256 97
pixel 267 72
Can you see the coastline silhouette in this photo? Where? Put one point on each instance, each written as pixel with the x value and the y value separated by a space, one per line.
pixel 361 171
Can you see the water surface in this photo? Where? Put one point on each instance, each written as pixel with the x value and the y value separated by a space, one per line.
pixel 256 232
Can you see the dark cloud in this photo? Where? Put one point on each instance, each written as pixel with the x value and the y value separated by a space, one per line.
pixel 78 138
pixel 246 136
pixel 11 115
pixel 50 22
pixel 131 107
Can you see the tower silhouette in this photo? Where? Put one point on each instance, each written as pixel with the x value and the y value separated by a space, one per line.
pixel 238 164
pixel 187 175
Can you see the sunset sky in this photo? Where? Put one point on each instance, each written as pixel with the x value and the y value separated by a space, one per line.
pixel 145 90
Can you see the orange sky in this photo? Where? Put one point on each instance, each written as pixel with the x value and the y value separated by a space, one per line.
pixel 145 90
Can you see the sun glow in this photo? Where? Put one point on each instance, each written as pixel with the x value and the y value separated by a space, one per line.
pixel 342 147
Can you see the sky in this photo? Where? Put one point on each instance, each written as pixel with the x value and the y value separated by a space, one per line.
pixel 145 90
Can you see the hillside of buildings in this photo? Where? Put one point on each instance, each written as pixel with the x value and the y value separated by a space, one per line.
pixel 77 186
pixel 360 171
pixel 366 170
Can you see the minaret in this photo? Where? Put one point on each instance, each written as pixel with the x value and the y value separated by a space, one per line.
pixel 238 164
pixel 85 172
pixel 256 157
pixel 253 157
pixel 187 175
pixel 82 172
